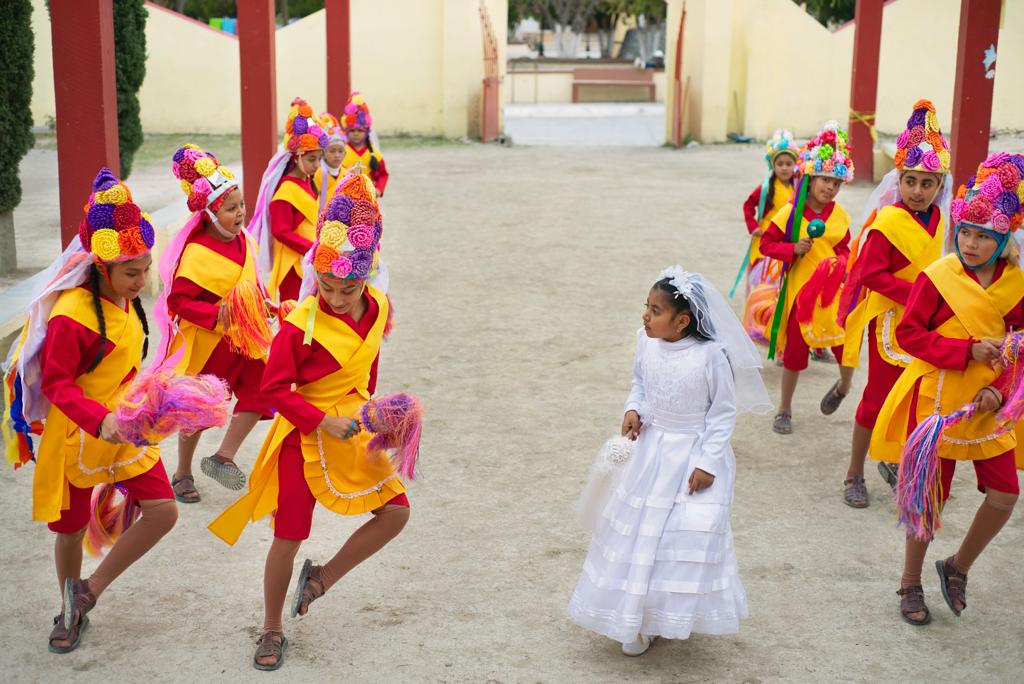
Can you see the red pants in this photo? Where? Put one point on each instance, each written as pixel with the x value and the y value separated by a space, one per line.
pixel 243 376
pixel 882 377
pixel 795 356
pixel 290 286
pixel 295 503
pixel 152 484
pixel 998 472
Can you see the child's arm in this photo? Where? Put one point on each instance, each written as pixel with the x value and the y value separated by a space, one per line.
pixel 721 416
pixel 774 244
pixel 380 176
pixel 284 219
pixel 750 210
pixel 916 330
pixel 68 351
pixel 637 401
pixel 287 352
pixel 881 261
pixel 191 302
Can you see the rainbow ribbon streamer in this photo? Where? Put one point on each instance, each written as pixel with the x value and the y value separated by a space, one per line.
pixel 792 235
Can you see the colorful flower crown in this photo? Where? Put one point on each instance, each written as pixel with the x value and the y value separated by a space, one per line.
pixel 302 131
pixel 781 141
pixel 921 146
pixel 827 154
pixel 332 127
pixel 348 232
pixel 356 113
pixel 114 228
pixel 203 179
pixel 992 198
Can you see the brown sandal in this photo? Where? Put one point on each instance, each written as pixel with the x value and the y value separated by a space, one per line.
pixel 78 600
pixel 912 601
pixel 271 644
pixel 954 585
pixel 305 590
pixel 62 633
pixel 856 493
pixel 832 399
pixel 783 424
pixel 185 489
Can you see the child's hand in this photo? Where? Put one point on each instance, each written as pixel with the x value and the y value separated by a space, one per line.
pixel 272 308
pixel 631 425
pixel 802 247
pixel 988 400
pixel 699 480
pixel 109 431
pixel 984 351
pixel 757 233
pixel 339 426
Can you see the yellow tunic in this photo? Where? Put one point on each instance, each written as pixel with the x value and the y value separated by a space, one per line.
pixel 218 274
pixel 66 453
pixel 328 190
pixel 823 330
pixel 352 158
pixel 341 474
pixel 781 195
pixel 287 259
pixel 978 313
pixel 920 249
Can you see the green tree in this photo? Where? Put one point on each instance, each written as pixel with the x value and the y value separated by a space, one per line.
pixel 130 64
pixel 830 13
pixel 15 117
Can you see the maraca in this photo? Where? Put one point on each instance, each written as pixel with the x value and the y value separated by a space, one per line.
pixel 815 229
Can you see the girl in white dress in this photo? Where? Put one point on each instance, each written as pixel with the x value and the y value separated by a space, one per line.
pixel 661 561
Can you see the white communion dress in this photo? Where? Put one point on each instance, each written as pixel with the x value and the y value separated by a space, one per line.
pixel 661 561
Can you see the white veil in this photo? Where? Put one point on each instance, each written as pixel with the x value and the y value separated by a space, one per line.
pixel 716 321
pixel 887 192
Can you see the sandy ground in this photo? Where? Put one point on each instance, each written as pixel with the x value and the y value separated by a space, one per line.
pixel 518 278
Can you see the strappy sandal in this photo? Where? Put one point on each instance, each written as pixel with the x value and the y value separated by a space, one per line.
pixel 856 493
pixel 953 583
pixel 783 424
pixel 78 600
pixel 912 601
pixel 890 473
pixel 832 399
pixel 224 472
pixel 62 633
pixel 269 647
pixel 305 591
pixel 185 489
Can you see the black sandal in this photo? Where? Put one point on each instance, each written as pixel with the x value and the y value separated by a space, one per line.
pixel 832 399
pixel 912 601
pixel 185 489
pixel 62 633
pixel 267 646
pixel 953 583
pixel 890 472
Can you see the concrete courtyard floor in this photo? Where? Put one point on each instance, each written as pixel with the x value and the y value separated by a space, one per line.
pixel 518 276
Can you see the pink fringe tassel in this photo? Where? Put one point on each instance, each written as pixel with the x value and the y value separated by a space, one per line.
pixel 822 286
pixel 108 520
pixel 160 403
pixel 396 421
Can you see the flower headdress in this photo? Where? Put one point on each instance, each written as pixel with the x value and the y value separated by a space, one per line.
pixel 203 179
pixel 303 132
pixel 114 228
pixel 356 113
pixel 679 279
pixel 921 146
pixel 332 127
pixel 780 142
pixel 827 154
pixel 348 235
pixel 992 198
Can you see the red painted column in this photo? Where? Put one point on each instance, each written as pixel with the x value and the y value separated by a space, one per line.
pixel 975 78
pixel 256 33
pixel 339 54
pixel 86 102
pixel 867 43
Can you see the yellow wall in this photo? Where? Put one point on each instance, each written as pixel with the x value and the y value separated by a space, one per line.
pixel 553 86
pixel 418 62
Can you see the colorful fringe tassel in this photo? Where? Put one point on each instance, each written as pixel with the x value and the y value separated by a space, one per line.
pixel 823 286
pixel 244 316
pixel 160 403
pixel 918 495
pixel 108 520
pixel 285 308
pixel 396 421
pixel 758 312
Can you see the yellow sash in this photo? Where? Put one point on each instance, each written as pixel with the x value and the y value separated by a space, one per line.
pixel 352 158
pixel 978 313
pixel 66 453
pixel 287 259
pixel 921 249
pixel 782 194
pixel 823 330
pixel 332 183
pixel 218 274
pixel 341 474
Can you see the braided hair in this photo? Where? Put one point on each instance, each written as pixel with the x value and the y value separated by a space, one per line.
pixel 94 286
pixel 374 164
pixel 141 313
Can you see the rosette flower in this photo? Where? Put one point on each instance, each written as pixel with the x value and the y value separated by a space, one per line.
pixel 902 139
pixel 917 118
pixel 915 137
pixel 364 212
pixel 362 262
pixel 995 160
pixel 1006 203
pixel 101 216
pixel 323 257
pixel 126 216
pixel 361 236
pixel 299 126
pixel 914 156
pixel 978 211
pixel 131 243
pixel 206 166
pixel 1009 176
pixel 931 161
pixel 340 209
pixel 341 267
pixel 333 234
pixel 105 244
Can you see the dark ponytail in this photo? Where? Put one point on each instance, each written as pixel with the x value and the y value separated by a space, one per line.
pixel 94 285
pixel 770 195
pixel 374 164
pixel 141 313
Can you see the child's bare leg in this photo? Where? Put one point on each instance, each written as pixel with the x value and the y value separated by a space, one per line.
pixel 845 379
pixel 186 451
pixel 158 518
pixel 67 555
pixel 860 444
pixel 993 513
pixel 913 561
pixel 239 428
pixel 789 380
pixel 277 574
